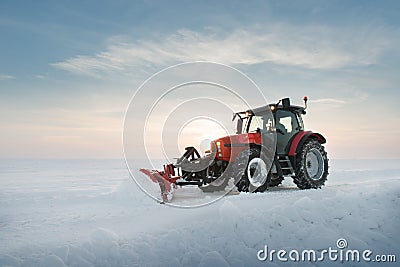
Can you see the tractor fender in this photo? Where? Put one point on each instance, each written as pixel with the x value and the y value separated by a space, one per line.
pixel 300 138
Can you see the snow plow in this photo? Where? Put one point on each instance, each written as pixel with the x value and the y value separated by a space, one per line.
pixel 270 144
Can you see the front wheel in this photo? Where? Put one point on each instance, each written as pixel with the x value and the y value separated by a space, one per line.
pixel 252 170
pixel 311 166
pixel 275 180
pixel 220 183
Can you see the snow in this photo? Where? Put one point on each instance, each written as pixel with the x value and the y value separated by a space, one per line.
pixel 90 213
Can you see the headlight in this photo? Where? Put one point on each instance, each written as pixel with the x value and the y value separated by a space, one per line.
pixel 219 146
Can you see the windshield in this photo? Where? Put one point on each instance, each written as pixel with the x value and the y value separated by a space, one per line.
pixel 256 123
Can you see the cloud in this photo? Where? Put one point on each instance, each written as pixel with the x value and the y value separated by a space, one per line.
pixel 40 77
pixel 6 77
pixel 313 47
pixel 354 96
pixel 329 101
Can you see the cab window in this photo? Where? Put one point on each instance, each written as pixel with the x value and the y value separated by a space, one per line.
pixel 287 122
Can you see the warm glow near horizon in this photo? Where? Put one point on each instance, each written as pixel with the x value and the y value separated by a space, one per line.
pixel 64 95
pixel 198 132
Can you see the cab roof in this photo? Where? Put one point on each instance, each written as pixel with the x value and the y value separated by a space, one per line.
pixel 283 104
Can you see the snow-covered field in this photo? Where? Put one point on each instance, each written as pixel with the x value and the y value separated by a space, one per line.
pixel 90 213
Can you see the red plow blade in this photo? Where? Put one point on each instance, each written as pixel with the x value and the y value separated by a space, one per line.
pixel 161 178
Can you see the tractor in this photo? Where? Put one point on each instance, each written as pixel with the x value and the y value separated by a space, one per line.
pixel 270 143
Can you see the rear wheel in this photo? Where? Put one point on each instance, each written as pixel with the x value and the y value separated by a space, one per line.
pixel 252 170
pixel 311 166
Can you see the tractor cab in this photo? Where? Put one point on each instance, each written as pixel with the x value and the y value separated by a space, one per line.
pixel 282 118
pixel 289 122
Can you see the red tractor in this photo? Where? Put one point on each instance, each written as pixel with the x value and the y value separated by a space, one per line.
pixel 270 143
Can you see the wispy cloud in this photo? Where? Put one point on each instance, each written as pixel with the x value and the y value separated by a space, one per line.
pixel 40 77
pixel 6 77
pixel 314 47
pixel 355 96
pixel 329 101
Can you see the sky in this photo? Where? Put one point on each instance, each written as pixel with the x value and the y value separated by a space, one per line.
pixel 68 69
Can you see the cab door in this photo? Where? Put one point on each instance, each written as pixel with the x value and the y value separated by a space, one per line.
pixel 287 126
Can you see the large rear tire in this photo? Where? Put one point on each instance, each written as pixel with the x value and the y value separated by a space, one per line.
pixel 311 166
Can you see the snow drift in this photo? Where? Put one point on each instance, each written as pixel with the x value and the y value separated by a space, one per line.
pixel 90 213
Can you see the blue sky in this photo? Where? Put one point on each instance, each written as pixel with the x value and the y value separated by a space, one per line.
pixel 69 68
